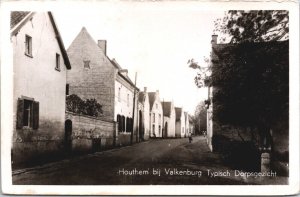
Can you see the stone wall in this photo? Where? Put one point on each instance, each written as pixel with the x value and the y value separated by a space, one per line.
pixel 91 134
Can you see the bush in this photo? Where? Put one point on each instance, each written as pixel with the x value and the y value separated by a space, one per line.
pixel 88 107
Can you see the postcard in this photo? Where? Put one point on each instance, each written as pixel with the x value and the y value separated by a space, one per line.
pixel 150 97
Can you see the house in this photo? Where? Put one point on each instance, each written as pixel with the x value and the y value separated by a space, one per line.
pixel 40 63
pixel 156 114
pixel 168 119
pixel 144 115
pixel 96 76
pixel 180 122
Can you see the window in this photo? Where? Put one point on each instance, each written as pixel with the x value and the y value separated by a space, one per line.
pixel 127 99
pixel 153 117
pixel 57 64
pixel 27 114
pixel 159 116
pixel 119 95
pixel 156 106
pixel 86 63
pixel 28 46
pixel 67 89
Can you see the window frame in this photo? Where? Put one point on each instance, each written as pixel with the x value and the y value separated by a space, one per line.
pixel 57 62
pixel 28 45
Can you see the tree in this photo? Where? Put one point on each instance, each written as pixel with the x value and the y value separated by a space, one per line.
pixel 200 118
pixel 250 73
pixel 253 26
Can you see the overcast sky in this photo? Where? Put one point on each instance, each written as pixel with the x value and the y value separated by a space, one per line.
pixel 154 39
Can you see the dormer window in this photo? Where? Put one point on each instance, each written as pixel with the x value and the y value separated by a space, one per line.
pixel 28 45
pixel 86 64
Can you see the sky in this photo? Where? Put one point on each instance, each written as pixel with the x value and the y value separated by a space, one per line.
pixel 153 39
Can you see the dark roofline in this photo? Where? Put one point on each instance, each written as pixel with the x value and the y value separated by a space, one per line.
pixel 60 42
pixel 129 81
pixel 21 23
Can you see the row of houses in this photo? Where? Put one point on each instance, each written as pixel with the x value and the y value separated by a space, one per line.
pixel 46 75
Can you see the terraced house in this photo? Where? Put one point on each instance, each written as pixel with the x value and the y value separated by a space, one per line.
pixel 156 114
pixel 96 76
pixel 144 116
pixel 40 63
pixel 169 119
pixel 180 122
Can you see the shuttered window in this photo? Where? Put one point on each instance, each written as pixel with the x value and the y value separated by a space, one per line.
pixel 27 114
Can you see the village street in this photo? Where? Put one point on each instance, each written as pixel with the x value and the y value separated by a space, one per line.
pixel 113 167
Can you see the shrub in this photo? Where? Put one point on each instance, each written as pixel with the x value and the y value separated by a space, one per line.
pixel 88 107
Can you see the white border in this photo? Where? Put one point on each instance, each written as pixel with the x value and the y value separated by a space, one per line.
pixel 6 105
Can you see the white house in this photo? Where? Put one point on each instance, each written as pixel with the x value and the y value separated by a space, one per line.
pixel 169 119
pixel 156 114
pixel 180 122
pixel 40 63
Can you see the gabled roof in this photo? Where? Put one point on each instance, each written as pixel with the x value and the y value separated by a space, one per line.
pixel 166 108
pixel 152 96
pixel 18 19
pixel 178 112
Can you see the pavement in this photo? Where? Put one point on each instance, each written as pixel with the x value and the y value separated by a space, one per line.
pixel 153 162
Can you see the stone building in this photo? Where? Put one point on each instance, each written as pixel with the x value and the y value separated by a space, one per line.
pixel 144 115
pixel 95 76
pixel 168 119
pixel 40 63
pixel 180 122
pixel 156 114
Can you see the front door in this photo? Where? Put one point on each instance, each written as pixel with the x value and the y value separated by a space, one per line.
pixel 68 136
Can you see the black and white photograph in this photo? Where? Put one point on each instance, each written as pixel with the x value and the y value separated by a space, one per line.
pixel 136 94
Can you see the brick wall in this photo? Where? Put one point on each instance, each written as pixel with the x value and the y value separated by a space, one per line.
pixel 98 80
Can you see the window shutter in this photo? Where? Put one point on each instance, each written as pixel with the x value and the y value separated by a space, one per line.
pixel 35 115
pixel 20 112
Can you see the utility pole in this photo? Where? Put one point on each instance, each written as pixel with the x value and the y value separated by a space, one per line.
pixel 131 137
pixel 163 126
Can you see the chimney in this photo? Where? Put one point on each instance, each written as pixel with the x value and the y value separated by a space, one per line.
pixel 145 89
pixel 102 45
pixel 214 39
pixel 157 92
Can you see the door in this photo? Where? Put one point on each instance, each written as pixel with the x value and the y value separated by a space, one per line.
pixel 166 130
pixel 68 136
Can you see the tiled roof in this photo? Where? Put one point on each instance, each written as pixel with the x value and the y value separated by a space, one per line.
pixel 166 108
pixel 151 98
pixel 16 17
pixel 178 112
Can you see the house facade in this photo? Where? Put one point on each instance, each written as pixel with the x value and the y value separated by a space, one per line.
pixel 95 76
pixel 180 122
pixel 144 115
pixel 156 114
pixel 187 124
pixel 40 63
pixel 168 119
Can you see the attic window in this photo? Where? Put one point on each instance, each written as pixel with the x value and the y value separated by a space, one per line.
pixel 86 63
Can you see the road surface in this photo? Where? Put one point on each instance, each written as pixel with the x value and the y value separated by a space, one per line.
pixel 156 162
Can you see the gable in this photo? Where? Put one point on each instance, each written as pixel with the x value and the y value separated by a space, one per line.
pixel 84 48
pixel 19 19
